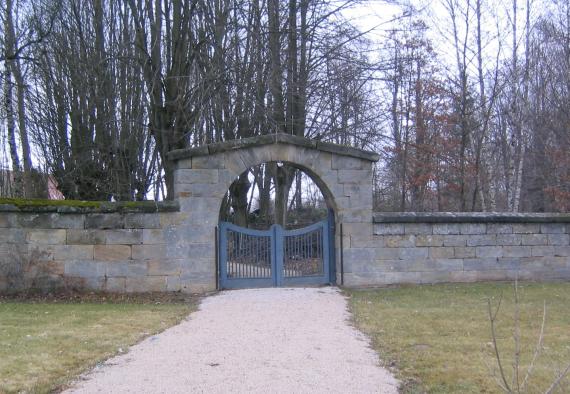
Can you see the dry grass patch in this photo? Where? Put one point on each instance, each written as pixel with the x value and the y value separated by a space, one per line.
pixel 45 343
pixel 439 338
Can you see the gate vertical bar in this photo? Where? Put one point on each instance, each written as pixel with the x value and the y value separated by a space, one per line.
pixel 278 253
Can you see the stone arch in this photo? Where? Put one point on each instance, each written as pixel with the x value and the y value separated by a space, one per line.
pixel 203 175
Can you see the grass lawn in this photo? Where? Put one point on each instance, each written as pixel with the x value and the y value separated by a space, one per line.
pixel 43 344
pixel 439 337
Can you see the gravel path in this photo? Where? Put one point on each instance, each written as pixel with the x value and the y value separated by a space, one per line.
pixel 255 341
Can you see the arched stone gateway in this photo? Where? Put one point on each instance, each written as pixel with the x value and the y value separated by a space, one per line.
pixel 204 174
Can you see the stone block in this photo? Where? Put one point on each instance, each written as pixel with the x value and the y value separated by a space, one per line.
pixel 208 162
pixel 173 283
pixel 196 176
pixel 462 252
pixel 534 239
pixel 148 252
pixel 12 235
pixel 417 228
pixel 201 190
pixel 355 215
pixel 124 237
pixel 104 221
pixel 399 241
pixel 480 264
pixel 455 240
pixel 126 268
pixel 429 240
pixel 115 285
pixel 8 219
pixel 473 228
pixel 355 176
pixel 482 240
pixel 434 277
pixel 112 252
pixel 86 237
pixel 517 251
pixel 71 252
pixel 357 229
pixel 184 163
pixel 362 201
pixel 164 267
pixel 402 278
pixel 493 275
pixel 142 220
pixel 172 218
pixel 413 253
pixel 446 228
pixel 499 228
pixel 365 242
pixel 526 228
pixel 156 236
pixel 559 239
pixel 84 268
pixel 562 251
pixel 347 163
pixel 538 251
pixel 51 220
pixel 386 253
pixel 488 251
pixel 441 253
pixel 552 228
pixel 509 239
pixel 145 284
pixel 47 237
pixel 362 254
pixel 389 229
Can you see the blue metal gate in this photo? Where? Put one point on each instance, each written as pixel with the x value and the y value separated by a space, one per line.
pixel 274 257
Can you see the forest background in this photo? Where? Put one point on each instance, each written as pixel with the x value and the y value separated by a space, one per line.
pixel 466 101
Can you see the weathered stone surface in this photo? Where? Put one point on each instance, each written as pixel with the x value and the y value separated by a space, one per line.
pixel 542 251
pixel 413 253
pixel 526 228
pixel 517 251
pixel 86 237
pixel 48 237
pixel 201 176
pixel 482 240
pixel 455 240
pixel 534 239
pixel 552 228
pixel 389 229
pixel 346 163
pixel 473 228
pixel 8 219
pixel 489 251
pixel 84 268
pixel 509 239
pixel 399 241
pixel 464 252
pixel 12 235
pixel 165 267
pixel 127 236
pixel 104 221
pixel 354 176
pixel 50 220
pixel 499 228
pixel 480 264
pixel 148 252
pixel 418 228
pixel 71 252
pixel 142 220
pixel 115 285
pixel 559 239
pixel 429 240
pixel 446 228
pixel 112 252
pixel 127 269
pixel 442 253
pixel 145 284
pixel 208 162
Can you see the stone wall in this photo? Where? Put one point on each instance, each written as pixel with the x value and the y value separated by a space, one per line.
pixel 114 249
pixel 446 247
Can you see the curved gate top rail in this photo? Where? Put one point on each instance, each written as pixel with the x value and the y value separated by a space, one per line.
pixel 274 257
